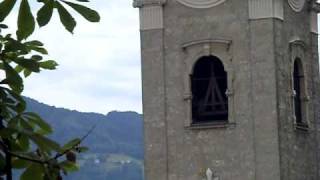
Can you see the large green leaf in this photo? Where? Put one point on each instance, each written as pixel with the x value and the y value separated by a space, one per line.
pixel 36 58
pixel 36 119
pixel 29 64
pixel 45 143
pixel 39 49
pixel 13 79
pixel 35 172
pixel 26 22
pixel 69 166
pixel 86 12
pixel 45 13
pixel 34 43
pixel 20 103
pixel 71 144
pixel 24 143
pixel 19 163
pixel 65 17
pixel 5 8
pixel 27 73
pixel 82 149
pixel 50 64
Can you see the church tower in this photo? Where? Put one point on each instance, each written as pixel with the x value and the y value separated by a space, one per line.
pixel 230 89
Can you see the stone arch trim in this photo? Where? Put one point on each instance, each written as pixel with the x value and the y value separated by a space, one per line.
pixel 192 52
pixel 297 53
pixel 201 3
pixel 296 5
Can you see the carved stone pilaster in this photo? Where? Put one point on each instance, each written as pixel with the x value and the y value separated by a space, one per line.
pixel 259 9
pixel 315 9
pixel 151 13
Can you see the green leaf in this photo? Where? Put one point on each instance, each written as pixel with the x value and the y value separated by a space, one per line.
pixel 27 73
pixel 12 78
pixel 69 166
pixel 71 144
pixel 45 143
pixel 24 143
pixel 26 125
pixel 50 64
pixel 36 119
pixel 86 12
pixel 26 22
pixel 65 17
pixel 34 43
pixel 7 132
pixel 18 68
pixel 36 58
pixel 5 8
pixel 45 13
pixel 40 50
pixel 3 26
pixel 19 163
pixel 82 149
pixel 19 101
pixel 28 64
pixel 34 172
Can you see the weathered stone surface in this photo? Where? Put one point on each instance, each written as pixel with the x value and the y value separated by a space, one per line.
pixel 262 143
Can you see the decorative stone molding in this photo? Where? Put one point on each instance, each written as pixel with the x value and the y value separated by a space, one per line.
pixel 201 3
pixel 151 13
pixel 142 3
pixel 151 17
pixel 207 41
pixel 314 22
pixel 315 9
pixel 297 51
pixel 296 5
pixel 260 9
pixel 193 51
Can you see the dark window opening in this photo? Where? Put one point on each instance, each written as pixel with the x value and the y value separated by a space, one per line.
pixel 209 86
pixel 298 85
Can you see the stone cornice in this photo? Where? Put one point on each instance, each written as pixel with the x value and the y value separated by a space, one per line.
pixel 142 3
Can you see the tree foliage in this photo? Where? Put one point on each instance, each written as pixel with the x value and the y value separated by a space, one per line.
pixel 24 141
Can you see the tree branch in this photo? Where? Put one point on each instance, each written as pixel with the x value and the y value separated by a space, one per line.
pixel 58 155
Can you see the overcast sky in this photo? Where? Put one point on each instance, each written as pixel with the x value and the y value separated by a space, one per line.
pixel 99 66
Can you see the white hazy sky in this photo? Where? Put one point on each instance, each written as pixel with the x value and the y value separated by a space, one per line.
pixel 99 66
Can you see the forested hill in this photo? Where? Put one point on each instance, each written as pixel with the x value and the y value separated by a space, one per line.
pixel 116 144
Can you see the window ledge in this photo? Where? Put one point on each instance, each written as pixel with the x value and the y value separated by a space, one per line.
pixel 220 125
pixel 302 127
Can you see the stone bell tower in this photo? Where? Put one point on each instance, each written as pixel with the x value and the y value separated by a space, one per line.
pixel 230 89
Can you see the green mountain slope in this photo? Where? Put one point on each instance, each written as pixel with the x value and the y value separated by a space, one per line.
pixel 116 144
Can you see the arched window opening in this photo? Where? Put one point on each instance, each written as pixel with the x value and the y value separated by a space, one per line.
pixel 298 85
pixel 209 86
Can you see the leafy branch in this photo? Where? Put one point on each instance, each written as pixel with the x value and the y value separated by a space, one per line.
pixel 24 142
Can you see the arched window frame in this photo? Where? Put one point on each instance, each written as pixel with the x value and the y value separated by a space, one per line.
pixel 297 48
pixel 193 51
pixel 217 79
